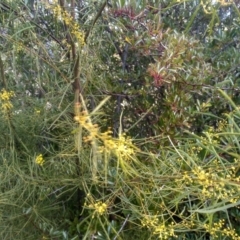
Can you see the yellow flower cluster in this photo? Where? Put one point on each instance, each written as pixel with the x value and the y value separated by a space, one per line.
pixel 149 221
pixel 161 229
pixel 221 125
pixel 164 232
pixel 19 47
pixel 63 15
pixel 215 184
pixel 75 30
pixel 99 207
pixel 218 228
pixel 85 121
pixel 39 160
pixel 5 97
pixel 122 147
pixel 210 138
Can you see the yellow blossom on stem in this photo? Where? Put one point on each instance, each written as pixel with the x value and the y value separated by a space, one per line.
pixel 39 160
pixel 164 232
pixel 149 221
pixel 122 146
pixel 5 97
pixel 99 208
pixel 62 15
pixel 159 228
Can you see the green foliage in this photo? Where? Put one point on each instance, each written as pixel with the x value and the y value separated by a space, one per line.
pixel 119 120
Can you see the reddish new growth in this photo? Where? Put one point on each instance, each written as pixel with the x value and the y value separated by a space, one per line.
pixel 124 12
pixel 157 77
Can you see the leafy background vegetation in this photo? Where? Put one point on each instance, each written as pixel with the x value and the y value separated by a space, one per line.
pixel 119 119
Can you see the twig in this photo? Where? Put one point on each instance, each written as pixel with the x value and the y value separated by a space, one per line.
pixel 95 20
pixel 124 223
pixel 2 73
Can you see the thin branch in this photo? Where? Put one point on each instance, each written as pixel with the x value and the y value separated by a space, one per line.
pixel 95 20
pixel 2 73
pixel 124 223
